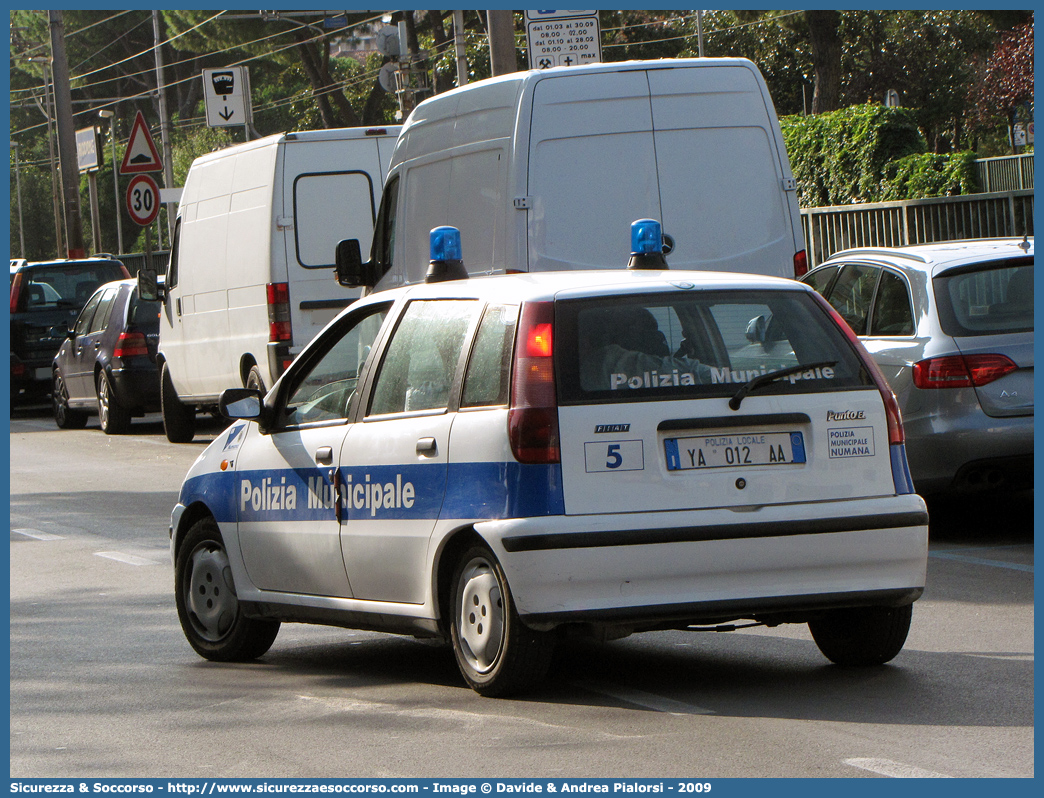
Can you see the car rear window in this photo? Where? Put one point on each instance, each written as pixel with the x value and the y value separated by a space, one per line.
pixel 691 344
pixel 988 299
pixel 67 285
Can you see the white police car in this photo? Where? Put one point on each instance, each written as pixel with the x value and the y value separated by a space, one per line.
pixel 497 459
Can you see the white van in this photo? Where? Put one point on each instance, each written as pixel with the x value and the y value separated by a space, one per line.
pixel 545 171
pixel 248 283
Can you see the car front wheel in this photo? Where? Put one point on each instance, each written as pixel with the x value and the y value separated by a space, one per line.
pixel 863 635
pixel 64 416
pixel 495 651
pixel 208 606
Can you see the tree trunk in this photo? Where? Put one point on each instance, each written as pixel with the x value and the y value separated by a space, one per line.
pixel 826 59
pixel 334 108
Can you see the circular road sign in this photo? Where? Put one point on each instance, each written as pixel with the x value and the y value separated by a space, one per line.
pixel 143 200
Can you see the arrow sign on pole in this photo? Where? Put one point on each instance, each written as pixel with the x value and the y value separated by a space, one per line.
pixel 141 154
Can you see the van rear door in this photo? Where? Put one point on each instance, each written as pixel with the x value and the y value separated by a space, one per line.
pixel 721 171
pixel 330 193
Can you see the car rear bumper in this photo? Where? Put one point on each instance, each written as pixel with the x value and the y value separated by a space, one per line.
pixel 976 452
pixel 137 387
pixel 714 565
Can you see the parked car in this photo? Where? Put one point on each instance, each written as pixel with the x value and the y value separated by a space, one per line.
pixel 500 459
pixel 107 363
pixel 951 326
pixel 46 297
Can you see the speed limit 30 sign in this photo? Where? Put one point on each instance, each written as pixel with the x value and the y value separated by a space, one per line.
pixel 143 200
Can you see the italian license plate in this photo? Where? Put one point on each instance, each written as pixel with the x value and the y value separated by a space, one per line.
pixel 734 450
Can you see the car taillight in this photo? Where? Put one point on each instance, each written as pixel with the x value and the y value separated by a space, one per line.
pixel 961 371
pixel 533 417
pixel 800 264
pixel 279 312
pixel 896 435
pixel 130 344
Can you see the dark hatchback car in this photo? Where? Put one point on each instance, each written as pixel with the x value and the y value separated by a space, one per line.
pixel 46 297
pixel 107 363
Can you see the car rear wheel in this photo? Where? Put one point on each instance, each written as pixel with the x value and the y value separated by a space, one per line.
pixel 115 418
pixel 208 607
pixel 863 635
pixel 64 416
pixel 495 652
pixel 179 420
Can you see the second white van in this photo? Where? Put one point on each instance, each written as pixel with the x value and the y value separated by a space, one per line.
pixel 249 278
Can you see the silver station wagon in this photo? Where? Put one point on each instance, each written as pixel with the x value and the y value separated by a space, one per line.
pixel 951 327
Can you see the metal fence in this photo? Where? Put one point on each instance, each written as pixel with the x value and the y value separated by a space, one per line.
pixel 896 224
pixel 1007 173
pixel 136 260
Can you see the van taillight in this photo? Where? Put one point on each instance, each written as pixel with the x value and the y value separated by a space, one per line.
pixel 961 371
pixel 533 417
pixel 130 344
pixel 800 264
pixel 279 312
pixel 895 421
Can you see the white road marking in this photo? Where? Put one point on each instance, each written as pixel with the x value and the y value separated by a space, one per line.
pixel 658 703
pixel 961 557
pixel 129 559
pixel 36 534
pixel 894 770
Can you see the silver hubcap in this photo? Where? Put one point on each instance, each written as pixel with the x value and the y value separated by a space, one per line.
pixel 211 599
pixel 103 400
pixel 60 397
pixel 481 620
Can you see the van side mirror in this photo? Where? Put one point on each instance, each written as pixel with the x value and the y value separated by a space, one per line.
pixel 350 269
pixel 150 287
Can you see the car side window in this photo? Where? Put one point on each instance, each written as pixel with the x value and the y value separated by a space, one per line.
pixel 820 279
pixel 421 359
pixel 892 314
pixel 384 229
pixel 101 315
pixel 325 390
pixel 172 262
pixel 83 321
pixel 489 368
pixel 852 293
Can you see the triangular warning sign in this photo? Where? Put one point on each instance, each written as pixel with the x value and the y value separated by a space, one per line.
pixel 141 155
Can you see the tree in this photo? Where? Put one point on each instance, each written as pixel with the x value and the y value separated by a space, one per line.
pixel 1007 81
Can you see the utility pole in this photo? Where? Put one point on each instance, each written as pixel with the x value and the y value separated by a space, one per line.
pixel 18 188
pixel 66 136
pixel 459 48
pixel 501 25
pixel 168 161
pixel 56 194
pixel 105 113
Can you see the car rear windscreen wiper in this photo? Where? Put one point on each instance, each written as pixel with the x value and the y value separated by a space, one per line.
pixel 764 379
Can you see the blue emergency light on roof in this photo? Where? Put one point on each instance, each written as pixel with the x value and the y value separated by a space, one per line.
pixel 647 245
pixel 446 256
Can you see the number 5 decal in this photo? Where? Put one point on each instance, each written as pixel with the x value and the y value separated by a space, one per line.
pixel 601 456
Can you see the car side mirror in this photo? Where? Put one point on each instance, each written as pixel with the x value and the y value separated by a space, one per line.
pixel 150 287
pixel 350 269
pixel 241 403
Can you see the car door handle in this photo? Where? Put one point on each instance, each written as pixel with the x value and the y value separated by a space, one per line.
pixel 324 455
pixel 426 447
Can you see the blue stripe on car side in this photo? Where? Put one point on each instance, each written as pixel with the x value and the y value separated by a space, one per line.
pixel 472 490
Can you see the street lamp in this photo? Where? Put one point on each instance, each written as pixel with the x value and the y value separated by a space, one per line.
pixel 105 113
pixel 18 188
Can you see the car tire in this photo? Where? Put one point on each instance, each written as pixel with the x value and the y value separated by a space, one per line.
pixel 255 381
pixel 496 653
pixel 208 607
pixel 179 420
pixel 115 419
pixel 862 636
pixel 64 416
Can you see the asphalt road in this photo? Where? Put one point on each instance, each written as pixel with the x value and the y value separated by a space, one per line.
pixel 103 683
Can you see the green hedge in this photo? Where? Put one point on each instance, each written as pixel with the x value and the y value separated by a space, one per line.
pixel 869 153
